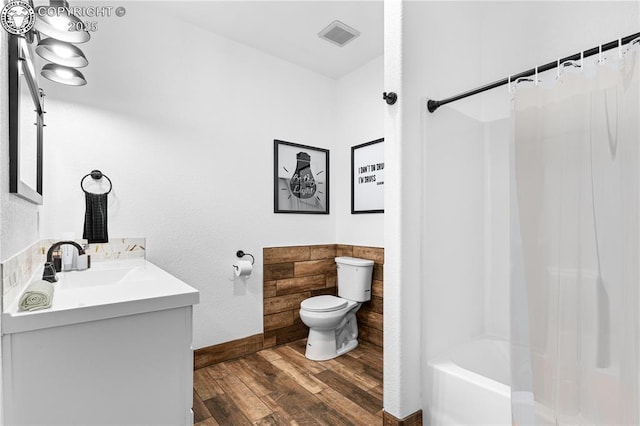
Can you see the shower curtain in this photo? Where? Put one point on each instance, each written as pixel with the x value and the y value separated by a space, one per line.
pixel 575 233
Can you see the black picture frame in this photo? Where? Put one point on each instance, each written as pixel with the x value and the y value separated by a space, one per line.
pixel 20 59
pixel 367 177
pixel 300 178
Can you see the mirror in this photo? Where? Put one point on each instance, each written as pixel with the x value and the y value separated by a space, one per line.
pixel 26 123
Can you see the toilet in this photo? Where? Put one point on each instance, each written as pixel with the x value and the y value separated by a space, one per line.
pixel 333 328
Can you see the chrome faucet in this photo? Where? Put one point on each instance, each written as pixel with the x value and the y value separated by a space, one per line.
pixel 49 273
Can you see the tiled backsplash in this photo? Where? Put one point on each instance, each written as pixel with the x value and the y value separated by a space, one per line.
pixel 118 248
pixel 18 270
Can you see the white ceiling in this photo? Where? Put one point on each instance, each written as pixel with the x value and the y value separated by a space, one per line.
pixel 289 29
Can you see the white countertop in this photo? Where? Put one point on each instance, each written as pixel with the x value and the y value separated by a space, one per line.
pixel 107 290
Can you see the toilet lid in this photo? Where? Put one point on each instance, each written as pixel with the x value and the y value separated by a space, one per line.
pixel 325 303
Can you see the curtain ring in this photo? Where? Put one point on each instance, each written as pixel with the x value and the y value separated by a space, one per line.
pixel 509 84
pixel 600 54
pixel 620 48
pixel 558 67
pixel 536 81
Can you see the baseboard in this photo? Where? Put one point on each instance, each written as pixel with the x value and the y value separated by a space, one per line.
pixel 210 355
pixel 414 419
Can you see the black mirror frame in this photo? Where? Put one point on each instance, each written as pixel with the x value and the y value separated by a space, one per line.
pixel 16 185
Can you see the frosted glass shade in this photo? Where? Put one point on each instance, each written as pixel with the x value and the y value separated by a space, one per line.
pixel 64 75
pixel 61 53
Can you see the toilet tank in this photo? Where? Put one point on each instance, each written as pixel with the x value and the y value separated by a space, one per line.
pixel 354 278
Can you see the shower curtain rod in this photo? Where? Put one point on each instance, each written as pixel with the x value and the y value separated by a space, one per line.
pixel 432 105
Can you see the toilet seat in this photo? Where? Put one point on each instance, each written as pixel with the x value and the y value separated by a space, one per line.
pixel 324 303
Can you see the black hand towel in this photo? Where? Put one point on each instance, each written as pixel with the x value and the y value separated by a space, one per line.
pixel 95 218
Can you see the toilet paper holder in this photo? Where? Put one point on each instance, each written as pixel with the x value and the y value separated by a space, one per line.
pixel 241 254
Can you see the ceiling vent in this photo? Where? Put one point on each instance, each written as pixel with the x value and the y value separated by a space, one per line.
pixel 338 33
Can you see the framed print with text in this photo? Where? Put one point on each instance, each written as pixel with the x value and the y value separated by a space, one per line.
pixel 367 177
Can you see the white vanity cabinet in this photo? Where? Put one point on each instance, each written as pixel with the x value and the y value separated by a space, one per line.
pixel 123 362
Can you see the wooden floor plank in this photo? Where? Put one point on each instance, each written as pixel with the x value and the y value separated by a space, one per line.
pixel 207 422
pixel 295 357
pixel 269 354
pixel 217 371
pixel 299 345
pixel 327 416
pixel 372 358
pixel 288 405
pixel 204 384
pixel 351 391
pixel 347 408
pixel 247 401
pixel 359 378
pixel 360 365
pixel 272 419
pixel 303 378
pixel 377 392
pixel 259 383
pixel 225 411
pixel 200 411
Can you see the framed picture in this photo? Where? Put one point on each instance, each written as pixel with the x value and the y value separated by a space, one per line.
pixel 300 178
pixel 367 177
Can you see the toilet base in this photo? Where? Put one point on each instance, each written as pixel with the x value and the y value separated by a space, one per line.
pixel 348 347
pixel 321 345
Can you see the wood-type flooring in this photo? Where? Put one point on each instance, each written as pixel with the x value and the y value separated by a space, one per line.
pixel 279 386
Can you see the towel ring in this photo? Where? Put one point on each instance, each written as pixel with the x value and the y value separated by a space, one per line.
pixel 96 175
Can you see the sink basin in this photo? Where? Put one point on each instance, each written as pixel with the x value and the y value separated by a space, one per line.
pixel 91 278
pixel 101 276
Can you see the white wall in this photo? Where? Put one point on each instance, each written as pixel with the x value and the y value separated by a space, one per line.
pixel 448 48
pixel 187 140
pixel 359 115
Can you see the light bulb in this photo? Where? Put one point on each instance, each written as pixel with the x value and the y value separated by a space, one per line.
pixel 303 184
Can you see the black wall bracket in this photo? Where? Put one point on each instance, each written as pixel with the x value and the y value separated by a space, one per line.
pixel 241 254
pixel 390 97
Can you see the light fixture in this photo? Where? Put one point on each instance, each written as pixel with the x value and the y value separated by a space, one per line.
pixel 51 22
pixel 63 74
pixel 61 53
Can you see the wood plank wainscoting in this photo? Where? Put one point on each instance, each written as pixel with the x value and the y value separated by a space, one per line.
pixel 290 275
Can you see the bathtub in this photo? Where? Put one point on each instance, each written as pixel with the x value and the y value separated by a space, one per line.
pixel 471 385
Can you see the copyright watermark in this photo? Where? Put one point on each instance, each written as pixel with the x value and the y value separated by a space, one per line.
pixel 81 11
pixel 17 17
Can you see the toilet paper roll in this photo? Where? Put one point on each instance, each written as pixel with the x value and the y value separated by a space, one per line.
pixel 242 268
